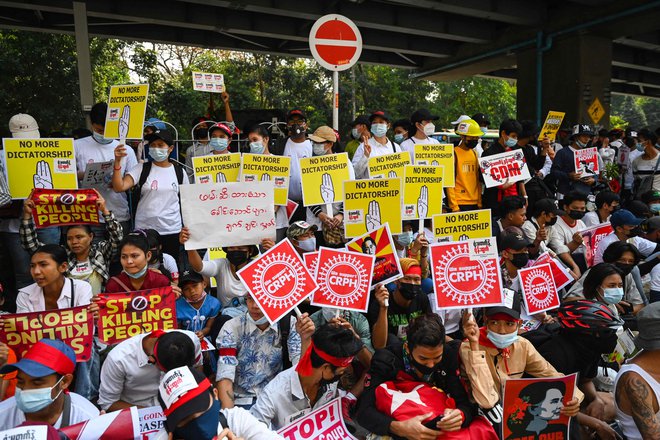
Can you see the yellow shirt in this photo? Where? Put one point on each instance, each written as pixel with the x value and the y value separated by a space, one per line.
pixel 467 190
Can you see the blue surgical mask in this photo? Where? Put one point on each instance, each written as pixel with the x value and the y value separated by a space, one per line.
pixel 159 154
pixel 202 427
pixel 613 295
pixel 219 144
pixel 639 146
pixel 100 138
pixel 484 130
pixel 138 274
pixel 355 133
pixel 502 341
pixel 31 401
pixel 655 207
pixel 261 321
pixel 379 130
pixel 511 142
pixel 398 138
pixel 405 238
pixel 581 144
pixel 308 245
pixel 257 148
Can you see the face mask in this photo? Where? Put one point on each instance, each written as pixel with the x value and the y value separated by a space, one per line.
pixel 640 147
pixel 31 401
pixel 581 144
pixel 318 149
pixel 552 222
pixel 409 290
pixel 405 238
pixel 634 232
pixel 520 260
pixel 511 142
pixel 308 245
pixel 324 383
pixel 429 129
pixel 625 268
pixel 200 299
pixel 472 144
pixel 615 208
pixel 329 313
pixel 139 274
pixel 424 369
pixel 379 130
pixel 100 138
pixel 202 133
pixel 257 148
pixel 398 138
pixel 484 130
pixel 613 295
pixel 158 154
pixel 502 341
pixel 296 130
pixel 203 427
pixel 655 207
pixel 355 133
pixel 219 144
pixel 261 321
pixel 236 258
pixel 576 215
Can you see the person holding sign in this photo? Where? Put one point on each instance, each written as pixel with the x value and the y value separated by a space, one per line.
pixel 421 130
pixel 159 206
pixel 44 376
pixel 466 193
pixel 376 145
pixel 563 165
pixel 88 260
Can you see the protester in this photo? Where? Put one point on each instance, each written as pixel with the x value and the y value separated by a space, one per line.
pixel 200 146
pixel 645 168
pixel 160 261
pixel 607 202
pixel 466 193
pixel 513 213
pixel 359 129
pixel 538 228
pixel 376 145
pixel 625 228
pixel 536 159
pixel 421 130
pixel 401 129
pixel 604 284
pixel 566 240
pixel 195 310
pixel 563 165
pixel 219 138
pixel 302 236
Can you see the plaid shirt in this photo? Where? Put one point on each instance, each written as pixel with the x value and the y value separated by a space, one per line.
pixel 100 254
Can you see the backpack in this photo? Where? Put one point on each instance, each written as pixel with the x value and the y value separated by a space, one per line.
pixel 543 334
pixel 136 192
pixel 284 326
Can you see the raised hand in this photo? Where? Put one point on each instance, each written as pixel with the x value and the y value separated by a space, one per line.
pixel 470 328
pixel 225 97
pixel 265 177
pixel 43 177
pixel 367 147
pixel 220 177
pixel 373 216
pixel 423 202
pixel 124 122
pixel 327 189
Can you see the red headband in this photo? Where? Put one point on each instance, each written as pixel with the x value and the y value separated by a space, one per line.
pixel 414 270
pixel 52 358
pixel 305 363
pixel 157 334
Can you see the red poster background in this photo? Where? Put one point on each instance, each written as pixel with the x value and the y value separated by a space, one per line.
pixel 62 207
pixel 539 290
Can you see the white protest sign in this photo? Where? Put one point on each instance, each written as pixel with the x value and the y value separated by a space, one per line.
pixel 325 422
pixel 507 167
pixel 98 175
pixel 228 214
pixel 208 82
pixel 32 432
pixel 152 422
pixel 586 162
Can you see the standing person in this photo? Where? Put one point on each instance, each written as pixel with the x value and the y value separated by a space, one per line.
pixel 565 239
pixel 401 129
pixel 200 146
pixel 359 128
pixel 647 166
pixel 98 148
pixel 606 203
pixel 376 145
pixel 466 194
pixel 563 165
pixel 537 159
pixel 421 130
pixel 219 138
pixel 159 206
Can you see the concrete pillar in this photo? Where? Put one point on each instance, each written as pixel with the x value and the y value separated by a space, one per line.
pixel 84 62
pixel 576 71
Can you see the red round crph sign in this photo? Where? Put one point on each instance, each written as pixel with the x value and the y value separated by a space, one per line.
pixel 335 42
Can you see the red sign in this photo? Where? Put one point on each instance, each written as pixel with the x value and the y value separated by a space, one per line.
pixel 117 425
pixel 560 274
pixel 539 290
pixel 591 237
pixel 335 42
pixel 325 422
pixel 62 207
pixel 532 408
pixel 460 280
pixel 310 259
pixel 586 162
pixel 278 280
pixel 126 314
pixel 344 279
pixel 74 326
pixel 379 243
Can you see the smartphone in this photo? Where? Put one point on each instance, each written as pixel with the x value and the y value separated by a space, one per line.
pixel 431 424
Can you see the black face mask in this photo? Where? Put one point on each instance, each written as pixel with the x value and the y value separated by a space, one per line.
pixel 296 130
pixel 472 144
pixel 625 268
pixel 424 369
pixel 324 383
pixel 552 222
pixel 576 215
pixel 635 232
pixel 520 260
pixel 202 133
pixel 236 258
pixel 409 290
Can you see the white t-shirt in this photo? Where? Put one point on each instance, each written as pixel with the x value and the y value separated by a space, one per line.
pixel 591 219
pixel 361 162
pixel 159 200
pixel 562 234
pixel 87 150
pixel 81 411
pixel 645 247
pixel 409 144
pixel 642 168
pixel 31 298
pixel 228 286
pixel 296 151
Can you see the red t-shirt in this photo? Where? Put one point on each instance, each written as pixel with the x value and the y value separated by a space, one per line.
pixel 151 281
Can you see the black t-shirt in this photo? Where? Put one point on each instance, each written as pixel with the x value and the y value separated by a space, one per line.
pixel 398 317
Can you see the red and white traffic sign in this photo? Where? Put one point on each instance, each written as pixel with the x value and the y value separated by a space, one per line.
pixel 335 42
pixel 538 286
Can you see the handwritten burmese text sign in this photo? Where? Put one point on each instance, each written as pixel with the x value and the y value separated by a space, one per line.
pixel 551 125
pixel 422 191
pixel 458 226
pixel 507 167
pixel 538 287
pixel 39 163
pixel 74 326
pixel 322 178
pixel 324 423
pixel 379 243
pixel 371 203
pixel 388 165
pixel 218 168
pixel 127 107
pixel 261 167
pixel 437 155
pixel 126 314
pixel 57 207
pixel 228 214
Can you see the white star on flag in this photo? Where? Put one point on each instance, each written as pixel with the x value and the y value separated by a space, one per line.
pixel 399 398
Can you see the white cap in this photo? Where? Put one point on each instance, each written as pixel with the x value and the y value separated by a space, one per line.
pixel 461 119
pixel 24 126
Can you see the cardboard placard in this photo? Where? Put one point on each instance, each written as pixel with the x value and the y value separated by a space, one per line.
pixel 126 314
pixel 507 167
pixel 127 107
pixel 39 163
pixel 586 162
pixel 591 238
pixel 152 422
pixel 32 432
pixel 379 242
pixel 98 175
pixel 560 274
pixel 422 191
pixel 310 259
pixel 388 165
pixel 437 155
pixel 323 178
pixel 217 168
pixel 260 167
pixel 117 425
pixel 459 226
pixel 371 203
pixel 325 422
pixel 59 207
pixel 208 82
pixel 538 288
pixel 551 125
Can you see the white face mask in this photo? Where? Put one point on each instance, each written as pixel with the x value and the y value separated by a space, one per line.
pixel 308 245
pixel 330 313
pixel 429 129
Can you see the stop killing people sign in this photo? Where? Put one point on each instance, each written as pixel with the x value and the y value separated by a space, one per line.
pixel 335 42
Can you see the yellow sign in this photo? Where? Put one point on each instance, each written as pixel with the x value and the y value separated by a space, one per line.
pixel 371 203
pixel 459 226
pixel 268 167
pixel 551 125
pixel 39 163
pixel 422 191
pixel 596 111
pixel 217 168
pixel 437 154
pixel 215 254
pixel 127 107
pixel 323 178
pixel 389 165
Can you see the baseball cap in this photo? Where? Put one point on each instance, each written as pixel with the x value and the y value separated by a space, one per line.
pixel 423 115
pixel 190 276
pixel 515 241
pixel 460 119
pixel 481 119
pixel 24 126
pixel 182 392
pixel 650 196
pixel 156 123
pixel 46 357
pixel 163 135
pixel 295 112
pixel 502 310
pixel 547 205
pixel 220 126
pixel 623 217
pixel 299 228
pixel 362 119
pixel 379 114
pixel 323 134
